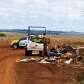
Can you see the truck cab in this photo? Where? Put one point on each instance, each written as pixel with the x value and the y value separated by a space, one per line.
pixel 19 43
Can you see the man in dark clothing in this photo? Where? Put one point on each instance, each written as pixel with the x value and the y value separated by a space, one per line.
pixel 54 52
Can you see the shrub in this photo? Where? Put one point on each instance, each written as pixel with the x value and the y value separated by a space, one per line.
pixel 2 34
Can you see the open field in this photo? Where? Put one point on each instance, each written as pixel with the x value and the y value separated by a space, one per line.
pixel 74 41
pixel 34 73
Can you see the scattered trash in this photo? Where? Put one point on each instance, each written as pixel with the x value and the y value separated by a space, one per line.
pixel 22 60
pixel 34 59
pixel 51 59
pixel 29 59
pixel 44 61
pixel 68 61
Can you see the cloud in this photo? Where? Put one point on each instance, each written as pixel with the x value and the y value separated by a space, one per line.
pixel 20 1
pixel 51 13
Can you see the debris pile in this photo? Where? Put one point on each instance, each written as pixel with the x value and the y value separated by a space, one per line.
pixel 57 55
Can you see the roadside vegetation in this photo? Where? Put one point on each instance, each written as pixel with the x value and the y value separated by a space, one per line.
pixel 2 34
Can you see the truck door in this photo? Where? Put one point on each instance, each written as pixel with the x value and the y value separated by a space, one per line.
pixel 23 41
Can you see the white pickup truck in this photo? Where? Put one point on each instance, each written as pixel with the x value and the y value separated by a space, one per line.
pixel 35 46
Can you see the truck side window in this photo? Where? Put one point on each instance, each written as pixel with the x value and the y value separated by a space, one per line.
pixel 36 40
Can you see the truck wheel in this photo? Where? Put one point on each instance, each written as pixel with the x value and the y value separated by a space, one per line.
pixel 40 53
pixel 28 52
pixel 15 46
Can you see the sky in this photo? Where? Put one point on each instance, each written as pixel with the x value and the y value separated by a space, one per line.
pixel 59 15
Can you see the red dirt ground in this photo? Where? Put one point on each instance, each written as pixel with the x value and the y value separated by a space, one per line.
pixel 33 73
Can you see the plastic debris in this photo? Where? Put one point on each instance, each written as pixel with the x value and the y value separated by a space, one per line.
pixel 22 60
pixel 68 61
pixel 44 61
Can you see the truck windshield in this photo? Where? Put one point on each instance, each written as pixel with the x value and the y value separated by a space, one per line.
pixel 37 40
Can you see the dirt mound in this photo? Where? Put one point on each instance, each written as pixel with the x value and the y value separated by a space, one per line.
pixel 34 73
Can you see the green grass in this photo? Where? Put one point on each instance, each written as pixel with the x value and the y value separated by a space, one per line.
pixel 2 34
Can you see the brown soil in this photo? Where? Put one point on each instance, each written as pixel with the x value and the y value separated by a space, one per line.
pixel 33 73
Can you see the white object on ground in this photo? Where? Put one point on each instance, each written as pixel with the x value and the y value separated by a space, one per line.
pixel 22 60
pixel 33 59
pixel 52 58
pixel 68 61
pixel 44 61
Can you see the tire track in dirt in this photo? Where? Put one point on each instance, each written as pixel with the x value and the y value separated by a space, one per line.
pixel 7 73
pixel 8 57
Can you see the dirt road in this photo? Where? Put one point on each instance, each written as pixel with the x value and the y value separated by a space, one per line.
pixel 8 56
